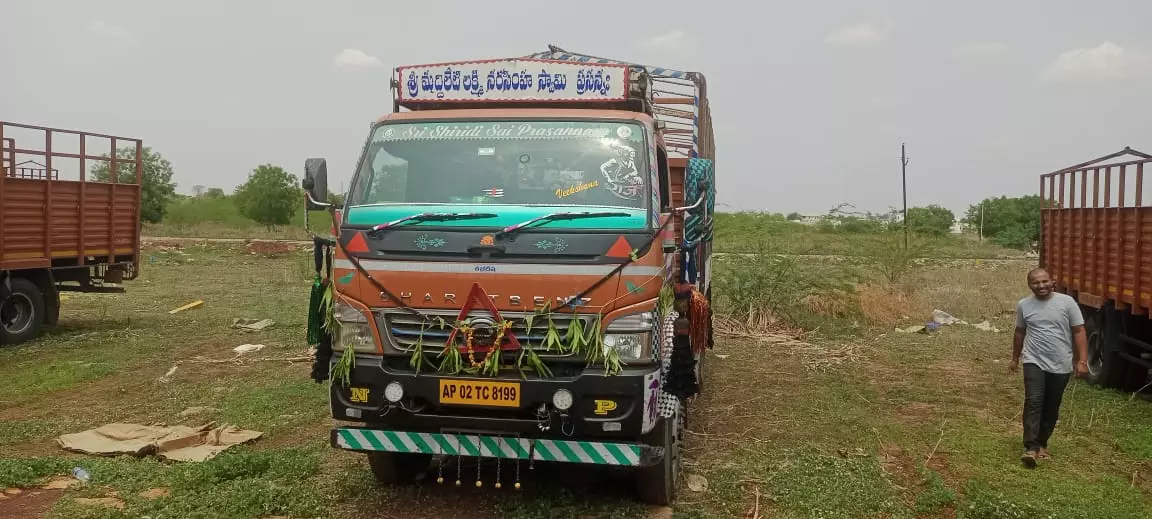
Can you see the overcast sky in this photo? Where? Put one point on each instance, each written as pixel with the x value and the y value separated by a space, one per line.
pixel 810 100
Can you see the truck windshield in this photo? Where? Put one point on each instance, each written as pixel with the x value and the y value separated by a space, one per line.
pixel 505 163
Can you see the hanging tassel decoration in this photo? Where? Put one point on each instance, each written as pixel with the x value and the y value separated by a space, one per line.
pixel 700 316
pixel 315 312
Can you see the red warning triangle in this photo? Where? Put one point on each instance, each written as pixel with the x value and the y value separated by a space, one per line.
pixel 477 296
pixel 357 244
pixel 620 249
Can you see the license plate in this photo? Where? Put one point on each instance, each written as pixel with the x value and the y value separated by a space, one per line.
pixel 479 392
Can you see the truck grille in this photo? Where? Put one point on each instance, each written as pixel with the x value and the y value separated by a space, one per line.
pixel 404 329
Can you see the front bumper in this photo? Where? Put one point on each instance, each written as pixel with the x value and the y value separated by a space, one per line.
pixel 618 406
pixel 365 439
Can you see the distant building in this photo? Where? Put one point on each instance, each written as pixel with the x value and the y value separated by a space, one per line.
pixel 812 219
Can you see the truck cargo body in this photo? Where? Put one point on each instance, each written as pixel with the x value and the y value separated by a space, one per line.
pixel 1096 242
pixel 59 230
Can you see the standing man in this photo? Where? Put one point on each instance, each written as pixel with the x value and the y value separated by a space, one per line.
pixel 1047 326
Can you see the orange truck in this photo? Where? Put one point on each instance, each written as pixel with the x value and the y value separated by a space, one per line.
pixel 59 233
pixel 521 270
pixel 1096 242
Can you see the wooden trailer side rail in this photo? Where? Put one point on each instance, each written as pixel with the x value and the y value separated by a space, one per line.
pixel 1096 231
pixel 50 222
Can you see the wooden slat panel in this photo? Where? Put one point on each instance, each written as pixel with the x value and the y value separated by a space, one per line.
pixel 1112 262
pixel 26 225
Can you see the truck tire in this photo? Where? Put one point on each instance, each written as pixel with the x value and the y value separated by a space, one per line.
pixel 21 312
pixel 394 468
pixel 657 484
pixel 1100 372
pixel 1106 368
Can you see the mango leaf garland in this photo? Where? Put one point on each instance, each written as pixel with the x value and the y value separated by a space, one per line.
pixel 418 359
pixel 579 339
pixel 574 340
pixel 342 370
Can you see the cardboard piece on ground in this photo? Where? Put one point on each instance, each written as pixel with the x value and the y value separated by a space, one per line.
pixel 252 325
pixel 177 443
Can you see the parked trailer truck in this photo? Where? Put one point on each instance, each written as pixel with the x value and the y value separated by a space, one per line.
pixel 1096 242
pixel 57 234
pixel 521 270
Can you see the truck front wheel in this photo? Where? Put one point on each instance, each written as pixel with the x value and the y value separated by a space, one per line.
pixel 657 484
pixel 21 312
pixel 393 468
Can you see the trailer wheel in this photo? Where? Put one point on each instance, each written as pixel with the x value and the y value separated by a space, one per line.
pixel 1106 367
pixel 1094 329
pixel 392 468
pixel 657 484
pixel 21 312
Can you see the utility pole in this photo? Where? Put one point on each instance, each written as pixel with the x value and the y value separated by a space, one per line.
pixel 904 184
pixel 981 231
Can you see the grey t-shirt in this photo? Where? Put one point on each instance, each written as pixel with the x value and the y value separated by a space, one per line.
pixel 1048 339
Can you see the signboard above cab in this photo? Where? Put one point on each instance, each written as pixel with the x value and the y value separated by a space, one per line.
pixel 516 80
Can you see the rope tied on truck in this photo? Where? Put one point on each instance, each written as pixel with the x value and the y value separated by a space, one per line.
pixel 434 319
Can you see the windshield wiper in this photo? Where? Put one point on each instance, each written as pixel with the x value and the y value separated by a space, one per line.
pixel 431 217
pixel 551 217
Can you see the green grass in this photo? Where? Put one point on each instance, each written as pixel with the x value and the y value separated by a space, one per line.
pixel 206 217
pixel 745 232
pixel 863 423
pixel 240 483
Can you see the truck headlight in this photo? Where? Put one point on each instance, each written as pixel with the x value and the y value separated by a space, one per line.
pixel 630 346
pixel 354 331
pixel 630 336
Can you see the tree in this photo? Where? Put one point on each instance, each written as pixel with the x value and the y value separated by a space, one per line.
pixel 931 220
pixel 793 217
pixel 270 196
pixel 214 192
pixel 157 189
pixel 1011 222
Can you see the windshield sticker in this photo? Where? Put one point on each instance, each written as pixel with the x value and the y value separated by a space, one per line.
pixel 620 173
pixel 494 192
pixel 424 241
pixel 569 191
pixel 556 245
pixel 503 130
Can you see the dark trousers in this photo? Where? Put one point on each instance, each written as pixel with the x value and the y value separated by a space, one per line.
pixel 1043 392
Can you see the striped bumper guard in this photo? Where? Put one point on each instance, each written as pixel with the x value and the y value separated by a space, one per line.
pixel 595 453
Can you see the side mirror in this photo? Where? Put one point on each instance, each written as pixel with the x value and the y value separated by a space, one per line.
pixel 697 185
pixel 315 183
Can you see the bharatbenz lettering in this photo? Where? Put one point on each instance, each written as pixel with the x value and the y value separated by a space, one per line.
pixel 520 271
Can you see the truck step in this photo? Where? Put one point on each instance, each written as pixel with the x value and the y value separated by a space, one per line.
pixel 588 452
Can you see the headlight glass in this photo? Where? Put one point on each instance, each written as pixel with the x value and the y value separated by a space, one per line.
pixel 354 331
pixel 357 336
pixel 631 336
pixel 630 346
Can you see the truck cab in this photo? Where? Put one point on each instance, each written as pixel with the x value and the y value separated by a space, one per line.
pixel 507 269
